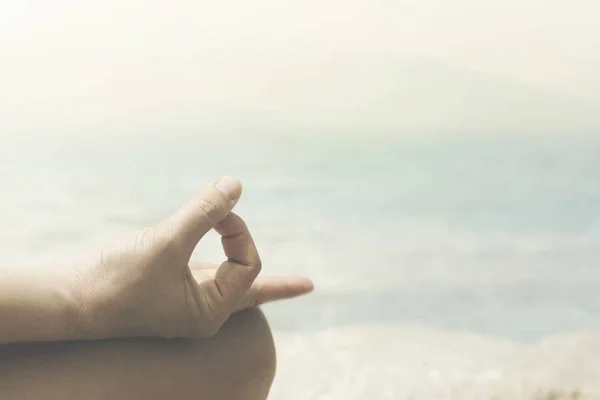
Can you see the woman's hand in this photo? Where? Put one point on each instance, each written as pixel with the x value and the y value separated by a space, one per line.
pixel 146 285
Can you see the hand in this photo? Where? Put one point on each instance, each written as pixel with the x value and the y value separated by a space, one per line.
pixel 146 285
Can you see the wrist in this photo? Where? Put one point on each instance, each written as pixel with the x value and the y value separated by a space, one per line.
pixel 38 305
pixel 67 308
pixel 95 311
pixel 87 308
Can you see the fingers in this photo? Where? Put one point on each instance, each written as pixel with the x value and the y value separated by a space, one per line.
pixel 207 208
pixel 235 276
pixel 268 289
pixel 263 290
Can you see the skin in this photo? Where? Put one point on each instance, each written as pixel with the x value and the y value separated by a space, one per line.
pixel 238 362
pixel 145 285
pixel 140 320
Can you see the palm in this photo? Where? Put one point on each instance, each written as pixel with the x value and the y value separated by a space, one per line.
pixel 149 285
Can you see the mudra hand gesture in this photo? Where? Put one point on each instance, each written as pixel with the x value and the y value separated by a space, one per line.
pixel 146 285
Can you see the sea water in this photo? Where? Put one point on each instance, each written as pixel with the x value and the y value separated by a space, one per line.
pixel 445 267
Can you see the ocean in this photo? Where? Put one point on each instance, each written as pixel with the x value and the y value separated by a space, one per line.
pixel 456 267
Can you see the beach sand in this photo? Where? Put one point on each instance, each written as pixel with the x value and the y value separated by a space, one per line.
pixel 395 362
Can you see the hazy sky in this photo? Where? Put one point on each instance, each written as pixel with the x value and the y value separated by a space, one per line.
pixel 57 54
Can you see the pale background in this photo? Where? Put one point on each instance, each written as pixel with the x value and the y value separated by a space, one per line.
pixel 432 165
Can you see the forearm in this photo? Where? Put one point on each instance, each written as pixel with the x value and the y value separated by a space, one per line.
pixel 37 305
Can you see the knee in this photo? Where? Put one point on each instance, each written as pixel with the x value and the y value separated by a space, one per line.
pixel 250 332
pixel 249 341
pixel 237 363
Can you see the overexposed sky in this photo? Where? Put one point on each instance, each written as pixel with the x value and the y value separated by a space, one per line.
pixel 118 55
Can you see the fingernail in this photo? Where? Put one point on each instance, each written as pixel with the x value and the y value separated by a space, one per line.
pixel 229 186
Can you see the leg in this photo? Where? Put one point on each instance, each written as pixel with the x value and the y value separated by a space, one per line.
pixel 237 363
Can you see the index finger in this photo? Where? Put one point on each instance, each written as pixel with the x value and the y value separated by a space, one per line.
pixel 235 276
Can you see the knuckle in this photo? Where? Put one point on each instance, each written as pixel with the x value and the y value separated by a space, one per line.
pixel 254 261
pixel 258 264
pixel 255 302
pixel 209 209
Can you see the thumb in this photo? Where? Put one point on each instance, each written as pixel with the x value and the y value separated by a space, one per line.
pixel 205 209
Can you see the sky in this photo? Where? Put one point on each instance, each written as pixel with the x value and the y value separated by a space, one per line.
pixel 101 59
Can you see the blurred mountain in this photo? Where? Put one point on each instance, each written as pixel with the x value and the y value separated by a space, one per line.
pixel 299 93
pixel 406 94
